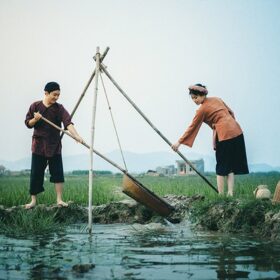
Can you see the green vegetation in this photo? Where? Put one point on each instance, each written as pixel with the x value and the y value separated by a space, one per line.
pixel 237 215
pixel 107 188
pixel 14 190
pixel 190 185
pixel 30 222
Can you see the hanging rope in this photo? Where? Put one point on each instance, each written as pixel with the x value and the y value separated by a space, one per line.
pixel 115 128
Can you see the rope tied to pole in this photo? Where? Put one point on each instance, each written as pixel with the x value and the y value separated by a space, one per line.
pixel 113 121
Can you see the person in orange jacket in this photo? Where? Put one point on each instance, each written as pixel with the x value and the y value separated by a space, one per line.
pixel 228 139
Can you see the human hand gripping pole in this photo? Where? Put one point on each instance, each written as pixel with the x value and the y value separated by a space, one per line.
pixel 37 116
pixel 176 146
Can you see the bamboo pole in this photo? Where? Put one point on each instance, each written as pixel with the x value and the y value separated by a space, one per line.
pixel 112 163
pixel 87 86
pixel 90 182
pixel 88 83
pixel 154 128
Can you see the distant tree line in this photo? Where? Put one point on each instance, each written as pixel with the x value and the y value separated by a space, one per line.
pixel 6 172
pixel 2 170
pixel 95 172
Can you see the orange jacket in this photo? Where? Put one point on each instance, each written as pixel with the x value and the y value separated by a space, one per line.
pixel 214 112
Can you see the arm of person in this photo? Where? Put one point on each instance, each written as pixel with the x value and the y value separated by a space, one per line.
pixel 36 118
pixel 67 122
pixel 75 134
pixel 190 134
pixel 176 146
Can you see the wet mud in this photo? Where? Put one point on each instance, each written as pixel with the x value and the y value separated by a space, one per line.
pixel 255 217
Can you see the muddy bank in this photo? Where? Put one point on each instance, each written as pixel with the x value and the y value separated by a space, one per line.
pixel 225 215
pixel 258 217
pixel 125 211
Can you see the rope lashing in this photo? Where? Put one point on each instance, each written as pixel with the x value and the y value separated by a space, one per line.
pixel 113 121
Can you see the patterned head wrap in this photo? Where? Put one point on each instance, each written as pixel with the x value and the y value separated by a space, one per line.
pixel 198 88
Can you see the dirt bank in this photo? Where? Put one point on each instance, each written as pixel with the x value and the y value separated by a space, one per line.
pixel 257 217
pixel 226 215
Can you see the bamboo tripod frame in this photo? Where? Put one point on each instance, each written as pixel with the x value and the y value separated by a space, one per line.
pixel 161 207
pixel 101 68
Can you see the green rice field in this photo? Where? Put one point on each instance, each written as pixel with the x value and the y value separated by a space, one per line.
pixel 14 189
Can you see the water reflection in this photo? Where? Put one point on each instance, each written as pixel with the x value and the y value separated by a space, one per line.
pixel 139 252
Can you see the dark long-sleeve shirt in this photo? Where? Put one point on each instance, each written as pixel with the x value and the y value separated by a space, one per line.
pixel 46 139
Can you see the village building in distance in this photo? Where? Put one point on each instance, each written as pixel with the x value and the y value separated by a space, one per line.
pixel 181 169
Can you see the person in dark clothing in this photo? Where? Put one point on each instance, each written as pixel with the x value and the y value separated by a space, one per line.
pixel 46 142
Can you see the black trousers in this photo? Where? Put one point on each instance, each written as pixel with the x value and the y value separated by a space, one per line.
pixel 38 166
pixel 231 156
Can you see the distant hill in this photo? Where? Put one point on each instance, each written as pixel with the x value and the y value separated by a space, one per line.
pixel 263 167
pixel 136 162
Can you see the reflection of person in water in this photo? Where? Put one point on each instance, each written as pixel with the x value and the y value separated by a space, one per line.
pixel 227 265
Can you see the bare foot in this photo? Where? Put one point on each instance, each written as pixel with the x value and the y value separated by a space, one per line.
pixel 30 205
pixel 62 203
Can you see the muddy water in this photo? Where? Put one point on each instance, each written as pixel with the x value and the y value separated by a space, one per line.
pixel 136 251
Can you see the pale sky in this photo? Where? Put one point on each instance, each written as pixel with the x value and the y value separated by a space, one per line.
pixel 157 49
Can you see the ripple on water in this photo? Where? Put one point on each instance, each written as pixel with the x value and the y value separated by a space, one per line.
pixel 152 251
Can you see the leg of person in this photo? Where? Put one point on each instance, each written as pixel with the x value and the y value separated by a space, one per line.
pixel 38 166
pixel 32 203
pixel 57 177
pixel 230 183
pixel 220 184
pixel 221 165
pixel 59 190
